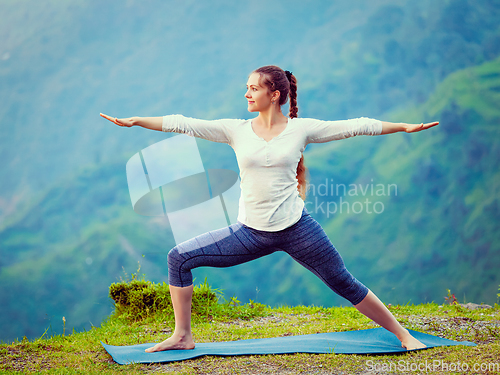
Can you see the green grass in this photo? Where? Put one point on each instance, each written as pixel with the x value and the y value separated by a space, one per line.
pixel 215 319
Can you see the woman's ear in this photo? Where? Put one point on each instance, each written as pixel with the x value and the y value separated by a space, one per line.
pixel 275 97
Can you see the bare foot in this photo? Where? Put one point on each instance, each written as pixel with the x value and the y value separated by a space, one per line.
pixel 409 342
pixel 173 343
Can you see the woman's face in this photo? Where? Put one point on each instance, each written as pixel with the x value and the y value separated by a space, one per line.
pixel 259 97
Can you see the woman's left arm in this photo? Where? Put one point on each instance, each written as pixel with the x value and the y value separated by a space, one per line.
pixel 393 127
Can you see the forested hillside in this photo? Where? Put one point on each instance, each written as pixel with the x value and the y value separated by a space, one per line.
pixel 67 228
pixel 64 62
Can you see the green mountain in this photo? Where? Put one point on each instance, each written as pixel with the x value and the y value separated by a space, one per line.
pixel 67 229
pixel 61 63
pixel 432 224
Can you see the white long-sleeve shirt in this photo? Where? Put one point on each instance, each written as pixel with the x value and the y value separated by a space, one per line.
pixel 269 198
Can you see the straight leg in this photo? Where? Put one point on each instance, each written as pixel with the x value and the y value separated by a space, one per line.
pixel 374 309
pixel 309 245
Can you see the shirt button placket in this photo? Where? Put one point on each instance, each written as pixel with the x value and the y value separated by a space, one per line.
pixel 268 156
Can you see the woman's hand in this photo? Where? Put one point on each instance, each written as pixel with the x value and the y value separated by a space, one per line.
pixel 128 122
pixel 153 123
pixel 412 128
pixel 392 127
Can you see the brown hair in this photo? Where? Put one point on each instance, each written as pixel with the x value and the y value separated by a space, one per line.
pixel 275 78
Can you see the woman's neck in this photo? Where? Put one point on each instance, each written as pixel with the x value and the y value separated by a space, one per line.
pixel 271 117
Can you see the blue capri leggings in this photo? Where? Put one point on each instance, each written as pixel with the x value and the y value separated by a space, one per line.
pixel 305 241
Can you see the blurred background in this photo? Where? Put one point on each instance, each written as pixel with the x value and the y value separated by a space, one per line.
pixel 67 227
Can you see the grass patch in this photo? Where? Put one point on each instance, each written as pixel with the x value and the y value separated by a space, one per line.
pixel 143 313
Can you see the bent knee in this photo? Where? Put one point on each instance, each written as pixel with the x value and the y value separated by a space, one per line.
pixel 173 256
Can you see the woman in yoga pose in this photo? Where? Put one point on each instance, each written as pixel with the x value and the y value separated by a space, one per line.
pixel 271 213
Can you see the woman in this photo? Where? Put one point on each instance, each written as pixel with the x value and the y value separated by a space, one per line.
pixel 271 208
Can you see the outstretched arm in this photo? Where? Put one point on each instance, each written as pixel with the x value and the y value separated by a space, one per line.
pixel 153 123
pixel 212 130
pixel 393 127
pixel 318 131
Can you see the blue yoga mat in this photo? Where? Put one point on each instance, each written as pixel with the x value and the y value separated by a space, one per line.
pixel 368 341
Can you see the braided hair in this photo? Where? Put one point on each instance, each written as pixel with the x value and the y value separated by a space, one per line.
pixel 285 82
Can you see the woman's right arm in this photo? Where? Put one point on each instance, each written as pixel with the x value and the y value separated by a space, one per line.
pixel 212 130
pixel 153 123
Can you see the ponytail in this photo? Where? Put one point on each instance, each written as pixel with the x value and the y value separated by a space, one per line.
pixel 301 168
pixel 293 94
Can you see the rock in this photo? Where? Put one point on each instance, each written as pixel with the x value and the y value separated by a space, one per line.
pixel 474 306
